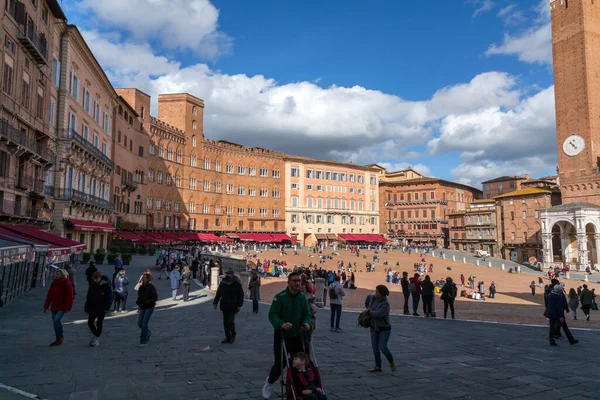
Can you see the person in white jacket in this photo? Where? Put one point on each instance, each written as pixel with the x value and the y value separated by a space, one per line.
pixel 336 294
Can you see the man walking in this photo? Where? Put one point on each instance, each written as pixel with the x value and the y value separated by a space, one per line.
pixel 336 294
pixel 97 303
pixel 290 316
pixel 414 287
pixel 89 272
pixel 231 296
pixel 586 297
pixel 405 292
pixel 556 315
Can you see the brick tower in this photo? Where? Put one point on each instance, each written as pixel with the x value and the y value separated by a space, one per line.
pixel 576 58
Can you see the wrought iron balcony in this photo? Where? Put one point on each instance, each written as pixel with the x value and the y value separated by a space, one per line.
pixel 84 198
pixel 49 190
pixel 26 145
pixel 413 202
pixel 129 183
pixel 89 147
pixel 36 45
pixel 24 182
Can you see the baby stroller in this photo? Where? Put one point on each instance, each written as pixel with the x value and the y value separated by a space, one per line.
pixel 288 390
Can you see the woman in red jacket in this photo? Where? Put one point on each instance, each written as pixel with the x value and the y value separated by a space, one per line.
pixel 60 300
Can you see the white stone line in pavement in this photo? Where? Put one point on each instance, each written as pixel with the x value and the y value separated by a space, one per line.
pixel 19 392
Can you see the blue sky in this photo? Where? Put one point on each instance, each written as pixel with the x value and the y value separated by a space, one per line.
pixel 460 90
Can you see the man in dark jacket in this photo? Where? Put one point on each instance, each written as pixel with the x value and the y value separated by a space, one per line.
pixel 586 297
pixel 556 315
pixel 290 316
pixel 231 296
pixel 405 292
pixel 89 272
pixel 97 303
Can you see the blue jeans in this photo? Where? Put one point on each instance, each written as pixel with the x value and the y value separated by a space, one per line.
pixel 336 313
pixel 416 297
pixel 58 328
pixel 379 341
pixel 143 319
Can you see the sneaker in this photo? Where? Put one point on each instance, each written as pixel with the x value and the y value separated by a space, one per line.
pixel 96 342
pixel 553 344
pixel 226 340
pixel 587 317
pixel 376 369
pixel 332 330
pixel 338 330
pixel 416 314
pixel 575 341
pixel 393 366
pixel 92 340
pixel 267 389
pixel 142 345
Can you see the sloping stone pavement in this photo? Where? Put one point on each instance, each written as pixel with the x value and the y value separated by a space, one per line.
pixel 436 358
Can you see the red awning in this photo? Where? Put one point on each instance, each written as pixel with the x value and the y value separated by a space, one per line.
pixel 104 227
pixel 280 237
pixel 211 237
pixel 263 237
pixel 247 237
pixel 46 237
pixel 346 236
pixel 129 236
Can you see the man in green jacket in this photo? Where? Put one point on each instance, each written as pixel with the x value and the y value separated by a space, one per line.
pixel 586 296
pixel 290 316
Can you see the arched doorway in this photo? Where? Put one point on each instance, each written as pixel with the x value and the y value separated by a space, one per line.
pixel 564 243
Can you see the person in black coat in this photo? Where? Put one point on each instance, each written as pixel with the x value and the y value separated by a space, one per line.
pixel 98 301
pixel 231 296
pixel 89 272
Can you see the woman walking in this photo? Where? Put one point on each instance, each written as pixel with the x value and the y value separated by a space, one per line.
pixel 175 276
pixel 532 287
pixel 573 302
pixel 60 301
pixel 492 290
pixel 449 291
pixel 139 282
pixel 254 288
pixel 427 292
pixel 186 277
pixel 121 292
pixel 146 301
pixel 379 311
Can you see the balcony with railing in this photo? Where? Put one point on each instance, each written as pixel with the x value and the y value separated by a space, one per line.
pixel 49 190
pixel 127 183
pixel 36 45
pixel 415 202
pixel 30 184
pixel 84 198
pixel 417 221
pixel 25 144
pixel 483 222
pixel 85 145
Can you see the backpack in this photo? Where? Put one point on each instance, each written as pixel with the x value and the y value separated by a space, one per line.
pixel 454 291
pixel 332 294
pixel 364 319
pixel 412 287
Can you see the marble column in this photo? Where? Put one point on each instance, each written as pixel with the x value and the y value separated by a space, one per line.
pixel 245 278
pixel 565 248
pixel 597 241
pixel 547 249
pixel 320 287
pixel 214 279
pixel 582 255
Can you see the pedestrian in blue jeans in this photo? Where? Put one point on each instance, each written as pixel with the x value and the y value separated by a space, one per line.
pixel 146 301
pixel 59 300
pixel 414 287
pixel 379 311
pixel 336 294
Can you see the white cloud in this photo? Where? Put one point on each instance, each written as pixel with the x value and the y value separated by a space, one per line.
pixel 488 120
pixel 176 24
pixel 511 15
pixel 533 45
pixel 483 6
pixel 392 166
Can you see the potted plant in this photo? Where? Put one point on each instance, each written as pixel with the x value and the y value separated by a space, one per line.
pixel 126 258
pixel 110 258
pixel 99 256
pixel 86 257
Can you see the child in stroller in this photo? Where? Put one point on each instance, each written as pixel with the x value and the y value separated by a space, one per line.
pixel 305 382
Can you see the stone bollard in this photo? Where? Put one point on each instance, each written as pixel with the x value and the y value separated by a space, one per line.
pixel 214 279
pixel 490 264
pixel 433 254
pixel 320 292
pixel 464 260
pixel 444 256
pixel 453 257
pixel 502 267
pixel 568 275
pixel 477 263
pixel 585 277
pixel 245 278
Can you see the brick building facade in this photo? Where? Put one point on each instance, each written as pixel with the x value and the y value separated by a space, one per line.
pixel 475 228
pixel 417 210
pixel 326 198
pixel 28 110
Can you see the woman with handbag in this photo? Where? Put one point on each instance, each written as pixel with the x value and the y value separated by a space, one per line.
pixel 378 309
